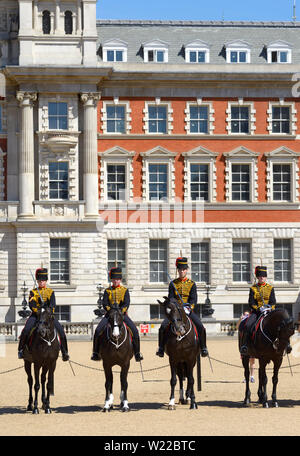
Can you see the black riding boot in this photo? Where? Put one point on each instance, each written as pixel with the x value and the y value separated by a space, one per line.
pixel 22 343
pixel 244 343
pixel 161 343
pixel 96 349
pixel 204 351
pixel 64 348
pixel 136 348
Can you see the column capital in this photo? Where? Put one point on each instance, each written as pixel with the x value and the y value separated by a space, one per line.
pixel 90 98
pixel 26 97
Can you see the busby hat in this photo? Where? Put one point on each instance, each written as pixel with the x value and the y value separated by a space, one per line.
pixel 41 274
pixel 261 271
pixel 181 263
pixel 115 273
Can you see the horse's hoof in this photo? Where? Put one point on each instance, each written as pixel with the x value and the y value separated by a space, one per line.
pixel 35 411
pixel 125 409
pixel 48 411
pixel 275 404
pixel 247 401
pixel 29 408
pixel 182 401
pixel 265 405
pixel 171 407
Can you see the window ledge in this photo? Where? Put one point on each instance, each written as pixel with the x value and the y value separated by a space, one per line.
pixel 62 287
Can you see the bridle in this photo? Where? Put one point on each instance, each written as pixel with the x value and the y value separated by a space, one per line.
pixel 46 332
pixel 174 322
pixel 116 328
pixel 286 322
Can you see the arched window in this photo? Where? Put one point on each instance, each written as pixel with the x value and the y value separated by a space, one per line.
pixel 46 22
pixel 68 23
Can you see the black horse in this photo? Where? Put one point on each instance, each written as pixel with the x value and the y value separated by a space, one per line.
pixel 43 353
pixel 116 349
pixel 182 347
pixel 270 341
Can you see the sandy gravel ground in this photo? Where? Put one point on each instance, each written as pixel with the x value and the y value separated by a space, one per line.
pixel 78 401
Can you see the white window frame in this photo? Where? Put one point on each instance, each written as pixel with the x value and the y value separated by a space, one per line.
pixel 252 116
pixel 115 45
pixel 238 46
pixel 279 46
pixel 202 241
pixel 242 241
pixel 127 119
pixel 290 261
pixel 124 263
pixel 169 117
pixel 116 156
pixel 198 103
pixel 69 246
pixel 283 156
pixel 57 161
pixel 156 46
pixel 242 156
pixel 166 263
pixel 197 46
pixel 293 116
pixel 200 155
pixel 159 155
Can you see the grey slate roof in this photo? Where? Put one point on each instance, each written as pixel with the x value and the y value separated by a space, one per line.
pixel 216 33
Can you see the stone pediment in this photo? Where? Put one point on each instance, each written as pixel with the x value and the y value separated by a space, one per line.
pixel 114 43
pixel 282 152
pixel 156 43
pixel 197 44
pixel 237 44
pixel 279 44
pixel 116 151
pixel 200 152
pixel 241 152
pixel 158 152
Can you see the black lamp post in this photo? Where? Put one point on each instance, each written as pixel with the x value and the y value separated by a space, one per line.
pixel 207 310
pixel 24 312
pixel 100 311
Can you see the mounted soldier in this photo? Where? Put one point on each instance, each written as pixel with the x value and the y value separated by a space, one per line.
pixel 116 294
pixel 39 296
pixel 184 290
pixel 261 297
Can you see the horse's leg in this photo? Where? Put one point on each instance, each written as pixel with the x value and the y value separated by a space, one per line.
pixel 124 385
pixel 277 364
pixel 245 361
pixel 27 366
pixel 181 389
pixel 173 382
pixel 262 387
pixel 43 382
pixel 36 387
pixel 50 387
pixel 190 387
pixel 109 398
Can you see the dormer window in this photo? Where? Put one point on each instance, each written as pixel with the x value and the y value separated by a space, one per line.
pixel 197 52
pixel 155 51
pixel 237 52
pixel 46 22
pixel 279 52
pixel 68 23
pixel 115 51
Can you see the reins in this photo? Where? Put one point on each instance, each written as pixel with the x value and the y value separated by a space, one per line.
pixel 117 345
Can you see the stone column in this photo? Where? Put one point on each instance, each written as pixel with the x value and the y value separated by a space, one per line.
pixel 26 153
pixel 90 153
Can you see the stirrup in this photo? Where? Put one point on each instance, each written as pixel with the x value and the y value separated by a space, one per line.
pixel 65 356
pixel 21 354
pixel 95 357
pixel 138 357
pixel 204 352
pixel 244 350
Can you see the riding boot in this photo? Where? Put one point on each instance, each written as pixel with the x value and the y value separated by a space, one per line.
pixel 22 343
pixel 136 348
pixel 244 343
pixel 96 349
pixel 202 335
pixel 161 343
pixel 288 348
pixel 64 349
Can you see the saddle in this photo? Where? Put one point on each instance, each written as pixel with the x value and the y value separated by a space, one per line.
pixel 255 329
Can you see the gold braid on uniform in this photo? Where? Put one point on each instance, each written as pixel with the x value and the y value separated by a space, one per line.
pixel 262 291
pixel 46 295
pixel 184 288
pixel 116 295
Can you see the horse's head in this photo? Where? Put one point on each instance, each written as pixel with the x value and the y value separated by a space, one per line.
pixel 285 328
pixel 115 319
pixel 175 313
pixel 45 325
